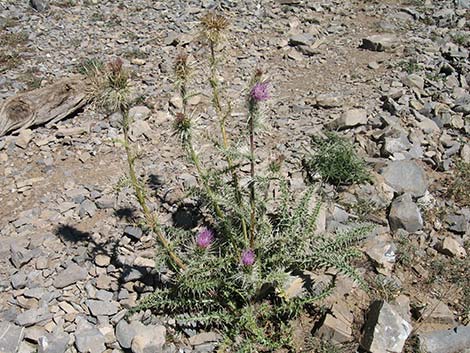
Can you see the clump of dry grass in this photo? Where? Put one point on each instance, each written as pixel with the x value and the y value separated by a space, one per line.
pixel 458 189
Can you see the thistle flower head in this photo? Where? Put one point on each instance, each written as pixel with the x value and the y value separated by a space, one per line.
pixel 260 92
pixel 181 66
pixel 214 26
pixel 205 238
pixel 248 257
pixel 182 126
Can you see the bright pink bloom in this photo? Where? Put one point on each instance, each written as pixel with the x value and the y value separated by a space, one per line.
pixel 205 238
pixel 260 92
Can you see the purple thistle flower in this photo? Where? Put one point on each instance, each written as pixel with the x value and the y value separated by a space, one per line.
pixel 205 238
pixel 260 92
pixel 248 257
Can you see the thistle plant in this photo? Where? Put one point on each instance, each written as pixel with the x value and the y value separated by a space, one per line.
pixel 114 95
pixel 235 273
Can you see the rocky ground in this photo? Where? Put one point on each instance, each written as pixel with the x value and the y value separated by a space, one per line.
pixel 393 76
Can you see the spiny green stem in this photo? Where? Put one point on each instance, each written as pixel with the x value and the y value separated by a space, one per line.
pixel 202 174
pixel 151 219
pixel 252 174
pixel 221 117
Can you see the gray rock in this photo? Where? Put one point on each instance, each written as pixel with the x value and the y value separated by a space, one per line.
pixel 72 274
pixel 149 340
pixel 464 4
pixel 406 176
pixel 87 207
pixel 26 347
pixel 385 330
pixel 328 100
pixel 205 348
pixel 445 341
pixel 39 5
pixel 204 337
pixel 380 42
pixel 337 326
pixel 18 280
pixel 437 312
pixel 139 112
pixel 140 128
pixel 457 223
pixel 24 138
pixel 102 260
pixel 10 337
pixel 32 316
pixel 395 144
pixel 100 308
pixel 133 274
pixel 465 153
pixel 125 332
pixel 20 256
pixel 348 119
pixel 90 341
pixel 36 293
pixel 53 343
pixel 382 251
pixel 105 202
pixel 405 214
pixel 451 247
pixel 306 39
pixel 414 81
pixel 104 295
pixel 133 232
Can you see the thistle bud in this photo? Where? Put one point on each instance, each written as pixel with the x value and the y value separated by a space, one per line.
pixel 248 257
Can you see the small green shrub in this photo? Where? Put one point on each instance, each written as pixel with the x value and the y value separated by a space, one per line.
pixel 409 66
pixel 336 161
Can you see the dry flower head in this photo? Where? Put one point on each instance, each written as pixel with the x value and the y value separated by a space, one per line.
pixel 214 26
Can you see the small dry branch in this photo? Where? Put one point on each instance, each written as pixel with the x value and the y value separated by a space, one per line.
pixel 44 105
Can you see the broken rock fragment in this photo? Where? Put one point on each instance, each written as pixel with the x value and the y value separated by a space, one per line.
pixel 385 330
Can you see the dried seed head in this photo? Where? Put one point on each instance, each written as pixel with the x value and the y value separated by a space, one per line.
pixel 214 26
pixel 181 66
pixel 115 66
